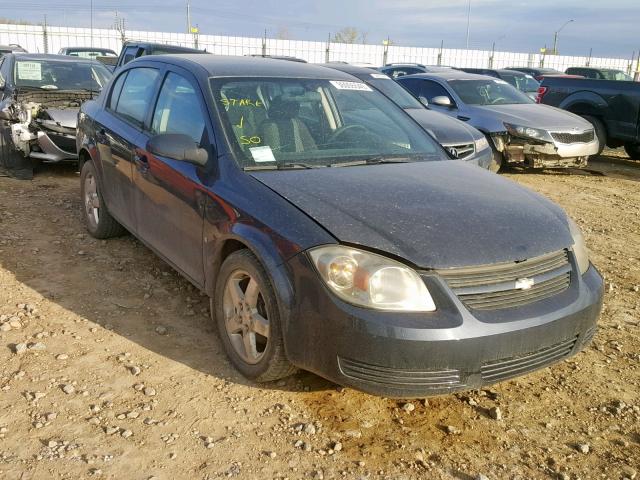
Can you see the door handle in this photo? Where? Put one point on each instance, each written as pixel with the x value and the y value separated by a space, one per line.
pixel 141 162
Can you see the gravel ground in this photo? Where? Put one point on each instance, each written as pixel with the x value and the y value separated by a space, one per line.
pixel 111 368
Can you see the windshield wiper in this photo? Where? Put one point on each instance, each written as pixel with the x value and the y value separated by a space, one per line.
pixel 282 166
pixel 380 159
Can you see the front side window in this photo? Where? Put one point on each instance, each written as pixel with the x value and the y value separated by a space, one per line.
pixel 136 94
pixel 280 122
pixel 488 92
pixel 60 75
pixel 178 109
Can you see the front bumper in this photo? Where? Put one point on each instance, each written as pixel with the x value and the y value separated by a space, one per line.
pixel 482 159
pixel 417 355
pixel 556 155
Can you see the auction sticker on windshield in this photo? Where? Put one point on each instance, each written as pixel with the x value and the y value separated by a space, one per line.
pixel 362 87
pixel 30 71
pixel 262 154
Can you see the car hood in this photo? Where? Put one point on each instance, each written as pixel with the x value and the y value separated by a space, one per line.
pixel 532 115
pixel 438 214
pixel 447 130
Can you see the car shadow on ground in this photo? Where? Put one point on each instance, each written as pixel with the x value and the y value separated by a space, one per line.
pixel 118 284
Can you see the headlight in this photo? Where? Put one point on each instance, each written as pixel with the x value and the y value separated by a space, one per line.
pixel 371 280
pixel 579 247
pixel 528 132
pixel 481 144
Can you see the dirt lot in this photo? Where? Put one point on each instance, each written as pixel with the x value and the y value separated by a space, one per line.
pixel 124 377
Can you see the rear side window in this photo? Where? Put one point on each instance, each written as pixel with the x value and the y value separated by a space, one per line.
pixel 136 94
pixel 129 54
pixel 178 109
pixel 401 72
pixel 115 91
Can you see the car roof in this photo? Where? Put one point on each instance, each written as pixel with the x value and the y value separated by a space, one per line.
pixel 350 69
pixel 508 70
pixel 448 75
pixel 49 56
pixel 235 66
pixel 87 49
pixel 165 46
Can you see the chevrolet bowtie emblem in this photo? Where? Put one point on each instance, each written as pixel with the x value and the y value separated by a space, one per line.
pixel 524 283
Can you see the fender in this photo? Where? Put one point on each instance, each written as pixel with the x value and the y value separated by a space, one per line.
pixel 266 250
pixel 585 102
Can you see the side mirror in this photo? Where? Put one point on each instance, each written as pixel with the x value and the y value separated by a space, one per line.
pixel 442 101
pixel 423 100
pixel 178 146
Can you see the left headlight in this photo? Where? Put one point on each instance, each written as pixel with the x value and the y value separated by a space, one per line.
pixel 579 247
pixel 371 280
pixel 481 144
pixel 528 132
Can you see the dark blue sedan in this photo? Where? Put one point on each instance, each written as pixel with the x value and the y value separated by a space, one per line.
pixel 326 243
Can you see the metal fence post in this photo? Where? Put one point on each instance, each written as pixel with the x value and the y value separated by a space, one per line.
pixel 493 52
pixel 264 44
pixel 45 36
pixel 440 52
pixel 385 51
pixel 327 49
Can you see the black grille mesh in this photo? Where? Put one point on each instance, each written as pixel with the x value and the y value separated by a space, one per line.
pixel 565 137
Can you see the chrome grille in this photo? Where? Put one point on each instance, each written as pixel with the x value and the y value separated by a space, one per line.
pixel 513 284
pixel 567 137
pixel 511 367
pixel 430 379
pixel 460 151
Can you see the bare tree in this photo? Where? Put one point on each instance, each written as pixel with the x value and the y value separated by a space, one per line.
pixel 283 33
pixel 9 21
pixel 350 35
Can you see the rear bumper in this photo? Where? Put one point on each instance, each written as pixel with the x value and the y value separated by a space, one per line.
pixel 452 349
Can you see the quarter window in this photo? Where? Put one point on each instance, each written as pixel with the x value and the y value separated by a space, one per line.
pixel 115 91
pixel 137 92
pixel 178 109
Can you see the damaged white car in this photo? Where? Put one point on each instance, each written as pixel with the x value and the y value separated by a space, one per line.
pixel 40 96
pixel 520 131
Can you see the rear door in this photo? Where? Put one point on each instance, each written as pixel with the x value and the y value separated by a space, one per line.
pixel 118 128
pixel 169 196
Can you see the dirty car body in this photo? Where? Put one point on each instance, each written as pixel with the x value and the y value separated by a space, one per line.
pixel 40 98
pixel 522 132
pixel 388 267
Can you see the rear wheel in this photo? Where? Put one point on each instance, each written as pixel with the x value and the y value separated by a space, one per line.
pixel 98 221
pixel 633 150
pixel 248 319
pixel 600 131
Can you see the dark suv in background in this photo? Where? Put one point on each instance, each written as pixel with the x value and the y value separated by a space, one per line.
pixel 395 70
pixel 522 81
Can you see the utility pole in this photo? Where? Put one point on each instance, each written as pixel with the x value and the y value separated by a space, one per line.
pixel 468 21
pixel 188 16
pixel 45 35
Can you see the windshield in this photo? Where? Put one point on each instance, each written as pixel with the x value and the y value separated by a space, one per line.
pixel 616 75
pixel 394 91
pixel 522 81
pixel 61 75
pixel 307 123
pixel 488 92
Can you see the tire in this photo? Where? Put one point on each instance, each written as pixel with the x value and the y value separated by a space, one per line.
pixel 497 160
pixel 601 131
pixel 264 359
pixel 633 150
pixel 98 221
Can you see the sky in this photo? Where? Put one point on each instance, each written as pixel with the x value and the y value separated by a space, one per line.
pixel 610 28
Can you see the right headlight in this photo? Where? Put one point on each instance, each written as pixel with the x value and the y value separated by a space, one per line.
pixel 369 280
pixel 579 247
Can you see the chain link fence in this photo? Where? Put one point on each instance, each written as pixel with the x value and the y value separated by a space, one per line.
pixel 49 39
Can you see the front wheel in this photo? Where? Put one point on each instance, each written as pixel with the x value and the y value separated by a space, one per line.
pixel 633 150
pixel 97 219
pixel 248 319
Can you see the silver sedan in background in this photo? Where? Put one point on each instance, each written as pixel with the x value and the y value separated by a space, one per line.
pixel 521 132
